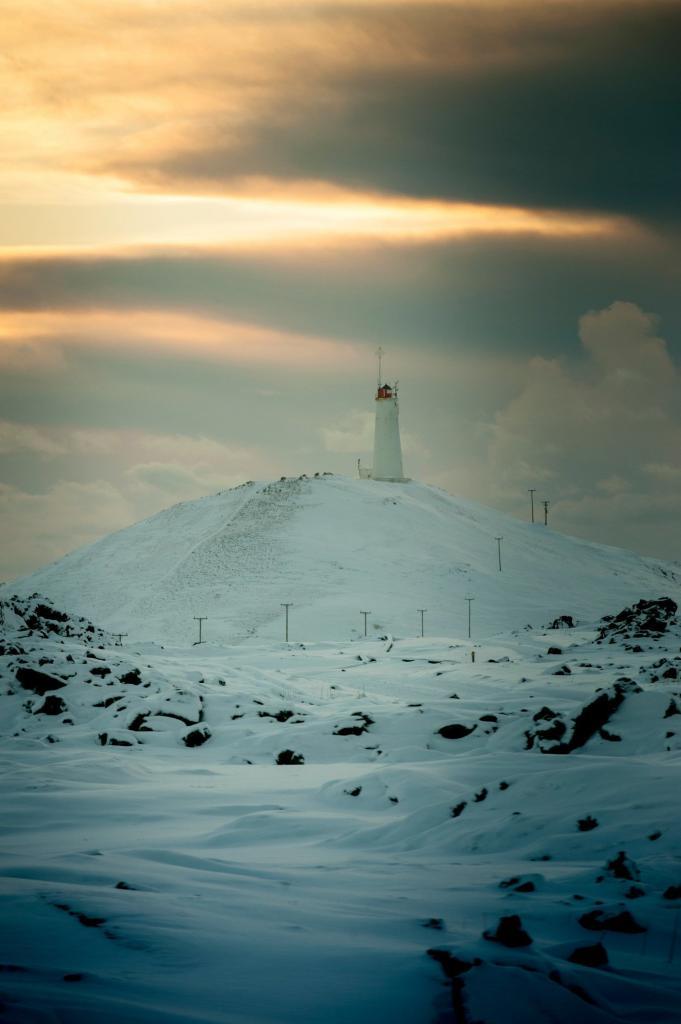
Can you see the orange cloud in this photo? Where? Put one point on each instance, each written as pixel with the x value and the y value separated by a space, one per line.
pixel 27 338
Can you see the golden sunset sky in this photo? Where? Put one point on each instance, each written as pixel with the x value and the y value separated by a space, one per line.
pixel 211 213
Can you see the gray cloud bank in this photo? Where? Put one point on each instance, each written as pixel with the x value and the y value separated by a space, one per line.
pixel 565 106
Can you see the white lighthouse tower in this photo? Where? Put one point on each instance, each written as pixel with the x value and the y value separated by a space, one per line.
pixel 387 448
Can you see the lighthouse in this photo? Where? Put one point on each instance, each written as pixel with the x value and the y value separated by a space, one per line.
pixel 387 448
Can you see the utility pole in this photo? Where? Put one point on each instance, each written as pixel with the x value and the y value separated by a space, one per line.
pixel 422 611
pixel 499 540
pixel 365 620
pixel 470 600
pixel 379 353
pixel 200 619
pixel 286 605
pixel 119 638
pixel 546 512
pixel 532 490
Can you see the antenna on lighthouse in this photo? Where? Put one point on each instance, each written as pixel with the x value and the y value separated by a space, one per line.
pixel 379 353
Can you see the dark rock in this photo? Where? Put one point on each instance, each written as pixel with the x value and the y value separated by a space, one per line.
pixel 436 923
pixel 673 892
pixel 355 730
pixel 132 678
pixel 458 809
pixel 654 835
pixel 587 824
pixel 100 670
pixel 599 921
pixel 564 670
pixel 590 956
pixel 544 715
pixel 503 785
pixel 120 743
pixel 555 731
pixel 353 792
pixel 509 933
pixel 644 619
pixel 451 965
pixel 525 887
pixel 456 732
pixel 73 977
pixel 555 650
pixel 563 622
pixel 290 757
pixel 479 797
pixel 37 682
pixel 107 702
pixel 672 709
pixel 488 718
pixel 124 885
pixel 138 723
pixel 622 867
pixel 634 892
pixel 594 716
pixel 52 706
pixel 197 737
pixel 670 673
pixel 509 883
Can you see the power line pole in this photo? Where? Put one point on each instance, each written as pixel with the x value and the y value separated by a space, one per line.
pixel 286 605
pixel 532 490
pixel 119 638
pixel 499 540
pixel 422 612
pixel 200 619
pixel 470 600
pixel 546 512
pixel 365 620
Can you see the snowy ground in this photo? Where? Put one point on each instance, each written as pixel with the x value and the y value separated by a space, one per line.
pixel 186 876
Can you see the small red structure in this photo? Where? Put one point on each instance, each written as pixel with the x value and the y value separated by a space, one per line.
pixel 384 391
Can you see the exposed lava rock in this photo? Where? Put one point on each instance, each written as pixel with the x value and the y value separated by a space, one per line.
pixel 458 809
pixel 100 670
pixel 197 737
pixel 456 732
pixel 599 921
pixel 594 716
pixel 131 678
pixel 563 622
pixel 644 619
pixel 53 706
pixel 673 892
pixel 355 730
pixel 37 682
pixel 509 933
pixel 587 824
pixel 590 956
pixel 555 650
pixel 290 757
pixel 279 716
pixel 622 866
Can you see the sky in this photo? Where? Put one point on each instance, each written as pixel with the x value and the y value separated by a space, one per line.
pixel 212 213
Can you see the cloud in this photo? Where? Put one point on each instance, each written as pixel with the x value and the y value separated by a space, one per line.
pixel 566 105
pixel 38 528
pixel 353 435
pixel 167 332
pixel 600 437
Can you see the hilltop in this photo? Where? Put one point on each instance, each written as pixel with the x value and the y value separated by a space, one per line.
pixel 335 546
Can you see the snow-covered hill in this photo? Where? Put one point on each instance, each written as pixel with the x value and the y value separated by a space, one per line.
pixel 335 547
